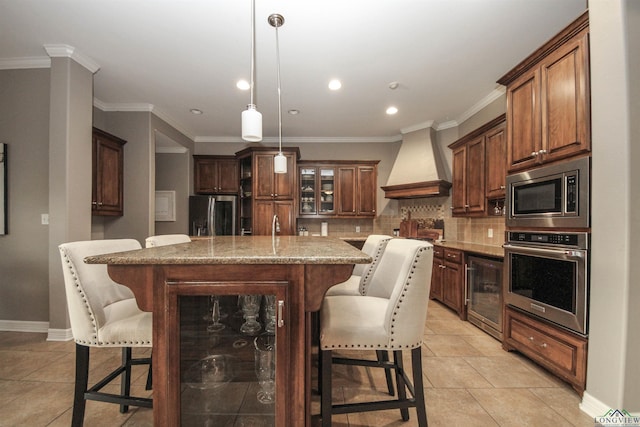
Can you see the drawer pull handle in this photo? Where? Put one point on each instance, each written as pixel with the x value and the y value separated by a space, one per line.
pixel 543 345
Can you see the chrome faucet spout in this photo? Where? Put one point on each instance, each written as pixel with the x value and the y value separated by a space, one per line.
pixel 275 226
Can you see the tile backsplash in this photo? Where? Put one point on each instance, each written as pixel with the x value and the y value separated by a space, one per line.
pixel 471 230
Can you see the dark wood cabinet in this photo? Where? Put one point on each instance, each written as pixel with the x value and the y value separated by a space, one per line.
pixel 265 193
pixel 495 162
pixel 447 279
pixel 479 170
pixel 357 189
pixel 548 101
pixel 271 185
pixel 215 175
pixel 561 352
pixel 107 193
pixel 436 274
pixel 263 218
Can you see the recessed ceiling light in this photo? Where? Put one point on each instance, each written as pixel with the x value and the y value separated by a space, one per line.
pixel 392 110
pixel 294 112
pixel 335 84
pixel 243 85
pixel 195 111
pixel 394 85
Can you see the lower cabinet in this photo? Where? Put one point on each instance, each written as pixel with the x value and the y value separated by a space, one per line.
pixel 561 352
pixel 264 214
pixel 447 281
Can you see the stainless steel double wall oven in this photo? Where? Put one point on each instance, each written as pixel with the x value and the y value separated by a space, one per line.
pixel 547 243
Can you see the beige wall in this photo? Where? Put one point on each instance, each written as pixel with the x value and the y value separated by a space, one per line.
pixel 24 252
pixel 173 174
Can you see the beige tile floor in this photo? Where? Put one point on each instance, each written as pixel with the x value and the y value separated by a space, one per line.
pixel 469 381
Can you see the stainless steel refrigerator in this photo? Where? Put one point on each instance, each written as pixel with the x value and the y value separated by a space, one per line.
pixel 212 215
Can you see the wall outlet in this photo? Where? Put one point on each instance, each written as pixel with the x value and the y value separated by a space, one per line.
pixel 357 228
pixel 44 219
pixel 490 232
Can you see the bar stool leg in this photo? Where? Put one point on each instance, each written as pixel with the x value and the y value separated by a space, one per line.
pixel 325 399
pixel 82 380
pixel 416 365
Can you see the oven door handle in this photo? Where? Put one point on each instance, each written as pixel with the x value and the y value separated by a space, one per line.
pixel 568 253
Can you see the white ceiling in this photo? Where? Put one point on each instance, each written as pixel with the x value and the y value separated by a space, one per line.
pixel 168 56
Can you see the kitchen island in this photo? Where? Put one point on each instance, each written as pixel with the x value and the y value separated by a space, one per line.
pixel 296 270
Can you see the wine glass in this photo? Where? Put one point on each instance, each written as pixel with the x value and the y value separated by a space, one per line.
pixel 215 325
pixel 250 309
pixel 265 358
pixel 270 313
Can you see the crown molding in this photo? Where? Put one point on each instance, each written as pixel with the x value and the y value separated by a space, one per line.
pixel 171 150
pixel 419 126
pixel 304 140
pixel 66 51
pixel 492 96
pixel 25 63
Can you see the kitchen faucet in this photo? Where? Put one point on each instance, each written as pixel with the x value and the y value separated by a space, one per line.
pixel 275 226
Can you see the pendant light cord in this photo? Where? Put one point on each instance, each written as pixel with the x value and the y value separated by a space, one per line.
pixel 253 47
pixel 279 93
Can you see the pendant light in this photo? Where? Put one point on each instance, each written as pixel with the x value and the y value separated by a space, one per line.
pixel 251 117
pixel 279 161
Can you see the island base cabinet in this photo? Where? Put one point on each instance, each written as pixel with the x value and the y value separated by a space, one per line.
pixel 561 352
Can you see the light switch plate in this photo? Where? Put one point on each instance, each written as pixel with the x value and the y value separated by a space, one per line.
pixel 44 219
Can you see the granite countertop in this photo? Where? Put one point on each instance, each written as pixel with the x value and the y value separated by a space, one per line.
pixel 243 250
pixel 475 248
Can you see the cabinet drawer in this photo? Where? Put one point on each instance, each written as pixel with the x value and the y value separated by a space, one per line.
pixel 552 349
pixel 438 252
pixel 452 255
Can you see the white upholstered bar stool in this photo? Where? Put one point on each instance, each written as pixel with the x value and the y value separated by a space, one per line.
pixel 390 317
pixel 165 239
pixel 103 314
pixel 361 275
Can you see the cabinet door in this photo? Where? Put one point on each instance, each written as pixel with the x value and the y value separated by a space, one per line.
pixel 347 191
pixel 452 287
pixel 496 166
pixel 285 183
pixel 475 179
pixel 327 190
pixel 263 217
pixel 228 177
pixel 366 191
pixel 107 191
pixel 263 177
pixel 459 184
pixel 523 121
pixel 565 114
pixel 308 190
pixel 436 280
pixel 205 176
pixel 241 359
pixel 286 216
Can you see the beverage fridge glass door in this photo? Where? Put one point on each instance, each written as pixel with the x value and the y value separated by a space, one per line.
pixel 484 292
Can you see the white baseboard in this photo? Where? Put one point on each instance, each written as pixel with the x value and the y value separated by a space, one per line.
pixel 592 406
pixel 36 327
pixel 59 335
pixel 23 326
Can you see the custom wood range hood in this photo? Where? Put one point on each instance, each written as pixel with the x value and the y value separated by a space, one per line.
pixel 419 169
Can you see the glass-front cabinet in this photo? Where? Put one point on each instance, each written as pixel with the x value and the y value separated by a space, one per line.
pixel 317 187
pixel 232 354
pixel 246 197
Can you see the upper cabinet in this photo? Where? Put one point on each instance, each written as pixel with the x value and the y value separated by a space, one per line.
pixel 548 102
pixel 107 193
pixel 215 175
pixel 357 184
pixel 337 188
pixel 479 169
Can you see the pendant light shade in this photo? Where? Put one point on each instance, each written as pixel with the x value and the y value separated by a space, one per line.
pixel 279 161
pixel 251 117
pixel 251 124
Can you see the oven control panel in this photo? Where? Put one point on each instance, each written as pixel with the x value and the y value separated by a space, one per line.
pixel 578 240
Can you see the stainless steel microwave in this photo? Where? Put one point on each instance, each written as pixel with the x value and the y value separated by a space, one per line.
pixel 553 196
